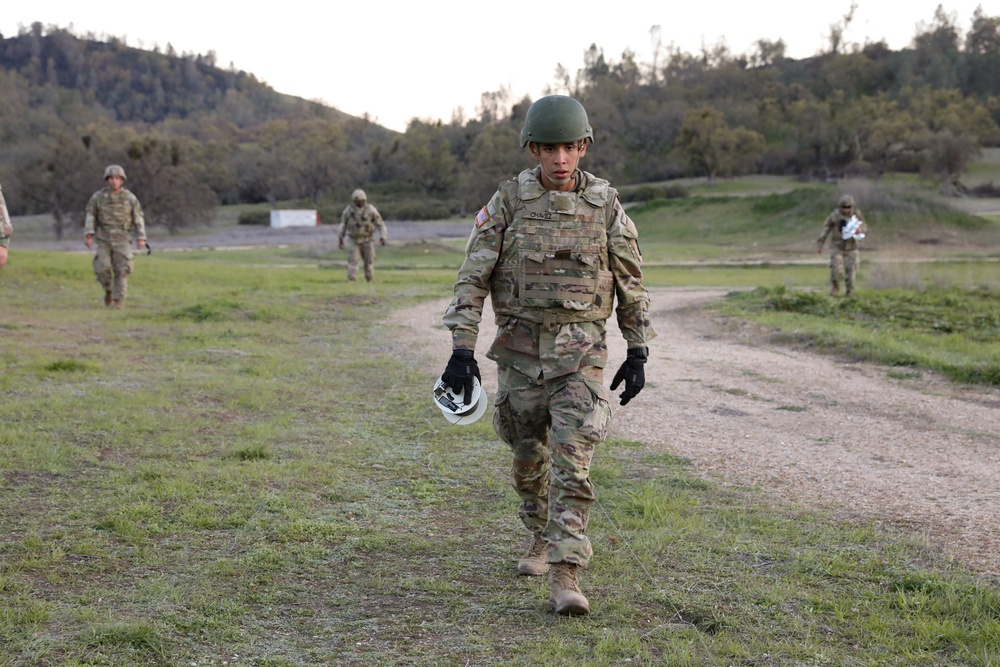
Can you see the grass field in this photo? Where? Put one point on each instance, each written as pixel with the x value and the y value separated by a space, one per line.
pixel 240 468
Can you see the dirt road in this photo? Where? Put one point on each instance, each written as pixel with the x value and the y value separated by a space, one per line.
pixel 919 453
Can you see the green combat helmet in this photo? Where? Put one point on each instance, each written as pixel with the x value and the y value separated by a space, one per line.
pixel 556 119
pixel 847 200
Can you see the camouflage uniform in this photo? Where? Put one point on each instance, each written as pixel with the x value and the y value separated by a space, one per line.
pixel 359 224
pixel 844 254
pixel 110 218
pixel 553 263
pixel 6 229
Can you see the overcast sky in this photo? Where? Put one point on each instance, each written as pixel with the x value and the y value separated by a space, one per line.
pixel 397 60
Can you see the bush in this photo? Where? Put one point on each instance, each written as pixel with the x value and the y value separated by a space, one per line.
pixel 419 210
pixel 985 190
pixel 255 218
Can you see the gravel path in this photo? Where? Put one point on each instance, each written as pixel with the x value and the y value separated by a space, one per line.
pixel 920 453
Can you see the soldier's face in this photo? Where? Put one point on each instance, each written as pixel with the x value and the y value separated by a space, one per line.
pixel 115 182
pixel 359 202
pixel 559 163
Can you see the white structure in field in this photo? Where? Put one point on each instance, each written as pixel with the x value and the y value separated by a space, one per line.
pixel 294 218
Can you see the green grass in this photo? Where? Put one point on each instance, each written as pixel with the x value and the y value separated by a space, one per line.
pixel 782 226
pixel 952 331
pixel 242 467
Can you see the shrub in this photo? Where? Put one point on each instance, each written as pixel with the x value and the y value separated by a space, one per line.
pixel 985 190
pixel 255 218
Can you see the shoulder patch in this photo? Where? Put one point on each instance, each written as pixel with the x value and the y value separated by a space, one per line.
pixel 486 214
pixel 482 217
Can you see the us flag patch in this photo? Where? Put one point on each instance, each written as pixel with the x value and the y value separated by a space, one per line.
pixel 482 217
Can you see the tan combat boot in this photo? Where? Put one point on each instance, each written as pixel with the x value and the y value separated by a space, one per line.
pixel 564 591
pixel 533 563
pixel 118 303
pixel 835 289
pixel 107 298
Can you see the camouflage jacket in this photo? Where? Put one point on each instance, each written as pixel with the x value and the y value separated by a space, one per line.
pixel 360 223
pixel 835 223
pixel 6 229
pixel 109 212
pixel 553 264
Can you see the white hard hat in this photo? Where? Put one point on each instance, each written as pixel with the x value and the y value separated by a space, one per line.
pixel 452 404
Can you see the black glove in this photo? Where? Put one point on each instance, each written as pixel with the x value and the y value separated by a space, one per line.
pixel 462 367
pixel 632 372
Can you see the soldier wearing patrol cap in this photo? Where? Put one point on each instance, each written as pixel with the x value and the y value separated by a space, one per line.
pixel 557 255
pixel 848 227
pixel 6 229
pixel 358 224
pixel 112 213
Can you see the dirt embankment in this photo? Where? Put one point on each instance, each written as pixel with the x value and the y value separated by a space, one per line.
pixel 918 453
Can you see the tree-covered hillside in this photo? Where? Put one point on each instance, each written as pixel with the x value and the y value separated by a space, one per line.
pixel 191 134
pixel 136 85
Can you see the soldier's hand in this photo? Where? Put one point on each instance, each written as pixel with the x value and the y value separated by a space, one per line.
pixel 633 373
pixel 462 367
pixel 3 256
pixel 141 243
pixel 381 241
pixel 340 244
pixel 88 240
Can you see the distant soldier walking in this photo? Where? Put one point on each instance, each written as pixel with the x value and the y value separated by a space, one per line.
pixel 6 229
pixel 112 213
pixel 358 223
pixel 847 226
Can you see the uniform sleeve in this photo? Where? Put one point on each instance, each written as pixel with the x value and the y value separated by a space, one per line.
pixel 90 218
pixel 465 311
pixel 6 229
pixel 828 225
pixel 138 220
pixel 343 224
pixel 625 262
pixel 381 225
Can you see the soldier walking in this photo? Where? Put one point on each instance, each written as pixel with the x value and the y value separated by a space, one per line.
pixel 554 249
pixel 358 224
pixel 848 227
pixel 112 213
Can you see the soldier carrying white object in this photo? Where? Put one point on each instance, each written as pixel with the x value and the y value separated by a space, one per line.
pixel 845 255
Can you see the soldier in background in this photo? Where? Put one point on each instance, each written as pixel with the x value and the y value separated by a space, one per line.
pixel 554 249
pixel 358 223
pixel 844 253
pixel 111 215
pixel 6 229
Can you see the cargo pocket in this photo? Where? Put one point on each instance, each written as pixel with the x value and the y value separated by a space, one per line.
pixel 503 417
pixel 596 424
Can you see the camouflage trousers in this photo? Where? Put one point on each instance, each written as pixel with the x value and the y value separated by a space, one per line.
pixel 112 265
pixel 844 265
pixel 363 249
pixel 552 428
